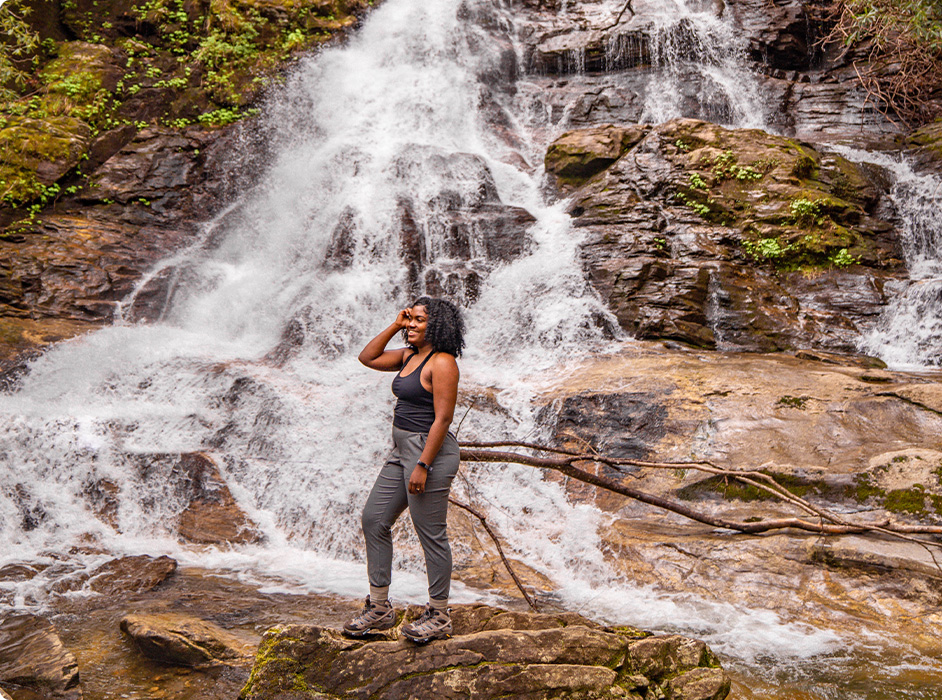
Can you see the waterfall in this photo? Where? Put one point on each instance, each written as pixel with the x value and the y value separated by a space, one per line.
pixel 388 180
pixel 400 165
pixel 908 334
pixel 700 69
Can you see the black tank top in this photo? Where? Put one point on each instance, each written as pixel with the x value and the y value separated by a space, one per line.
pixel 415 409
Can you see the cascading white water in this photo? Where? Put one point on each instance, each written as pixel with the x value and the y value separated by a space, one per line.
pixel 379 147
pixel 371 142
pixel 700 68
pixel 908 334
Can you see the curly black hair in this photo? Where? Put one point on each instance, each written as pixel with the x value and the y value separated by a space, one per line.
pixel 445 328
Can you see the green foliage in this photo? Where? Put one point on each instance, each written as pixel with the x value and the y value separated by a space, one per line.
pixel 918 20
pixel 792 402
pixel 682 146
pixel 703 209
pixel 18 41
pixel 724 167
pixel 697 182
pixel 904 36
pixel 805 212
pixel 766 165
pixel 223 116
pixel 765 249
pixel 843 259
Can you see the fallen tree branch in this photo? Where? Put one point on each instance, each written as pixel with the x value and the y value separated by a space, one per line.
pixel 500 550
pixel 565 462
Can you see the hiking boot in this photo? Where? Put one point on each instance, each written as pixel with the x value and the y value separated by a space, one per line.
pixel 373 618
pixel 431 624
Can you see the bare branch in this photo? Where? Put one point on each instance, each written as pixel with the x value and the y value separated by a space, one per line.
pixel 500 550
pixel 828 523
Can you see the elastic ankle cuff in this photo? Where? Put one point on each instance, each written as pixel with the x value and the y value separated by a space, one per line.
pixel 438 604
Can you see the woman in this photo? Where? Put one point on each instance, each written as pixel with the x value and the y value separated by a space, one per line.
pixel 419 470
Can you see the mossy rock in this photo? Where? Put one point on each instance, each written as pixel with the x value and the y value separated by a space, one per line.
pixel 35 153
pixel 81 70
pixel 527 655
pixel 813 205
pixel 926 142
pixel 578 155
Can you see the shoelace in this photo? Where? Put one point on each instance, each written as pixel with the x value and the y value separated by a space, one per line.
pixel 426 616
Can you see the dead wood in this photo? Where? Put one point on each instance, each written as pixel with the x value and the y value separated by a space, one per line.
pixel 500 550
pixel 567 462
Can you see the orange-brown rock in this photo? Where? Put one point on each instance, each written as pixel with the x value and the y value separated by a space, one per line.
pixel 34 661
pixel 735 239
pixel 522 655
pixel 183 640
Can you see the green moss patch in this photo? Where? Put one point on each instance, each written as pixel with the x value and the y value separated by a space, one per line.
pixel 733 489
pixel 35 153
pixel 168 63
pixel 911 500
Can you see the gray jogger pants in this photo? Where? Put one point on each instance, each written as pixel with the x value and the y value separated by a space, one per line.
pixel 390 496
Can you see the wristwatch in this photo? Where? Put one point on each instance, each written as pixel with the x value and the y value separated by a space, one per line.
pixel 424 466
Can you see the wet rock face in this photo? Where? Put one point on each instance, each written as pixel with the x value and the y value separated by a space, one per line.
pixel 471 229
pixel 67 271
pixel 734 239
pixel 492 655
pixel 34 661
pixel 181 640
pixel 210 514
pixel 925 146
pixel 594 62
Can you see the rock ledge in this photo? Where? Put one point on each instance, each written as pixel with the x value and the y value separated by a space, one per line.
pixel 494 653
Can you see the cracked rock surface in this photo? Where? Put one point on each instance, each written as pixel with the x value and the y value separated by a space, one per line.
pixel 494 653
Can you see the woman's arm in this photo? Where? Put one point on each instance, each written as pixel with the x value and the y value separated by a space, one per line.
pixel 445 396
pixel 375 355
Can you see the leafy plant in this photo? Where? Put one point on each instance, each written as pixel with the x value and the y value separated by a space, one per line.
pixel 19 42
pixel 843 259
pixel 765 249
pixel 805 212
pixel 903 35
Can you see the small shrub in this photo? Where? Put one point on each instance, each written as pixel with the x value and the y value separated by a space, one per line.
pixel 793 402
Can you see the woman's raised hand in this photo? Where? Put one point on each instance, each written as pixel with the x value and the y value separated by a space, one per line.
pixel 402 320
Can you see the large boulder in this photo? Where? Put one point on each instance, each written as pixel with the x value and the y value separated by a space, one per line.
pixel 735 238
pixel 492 654
pixel 182 640
pixel 33 658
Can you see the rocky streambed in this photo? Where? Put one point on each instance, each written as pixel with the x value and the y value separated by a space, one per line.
pixel 151 631
pixel 142 627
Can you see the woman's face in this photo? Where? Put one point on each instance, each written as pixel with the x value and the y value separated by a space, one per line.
pixel 418 321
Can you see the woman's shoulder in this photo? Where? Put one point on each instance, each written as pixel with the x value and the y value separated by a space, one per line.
pixel 444 360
